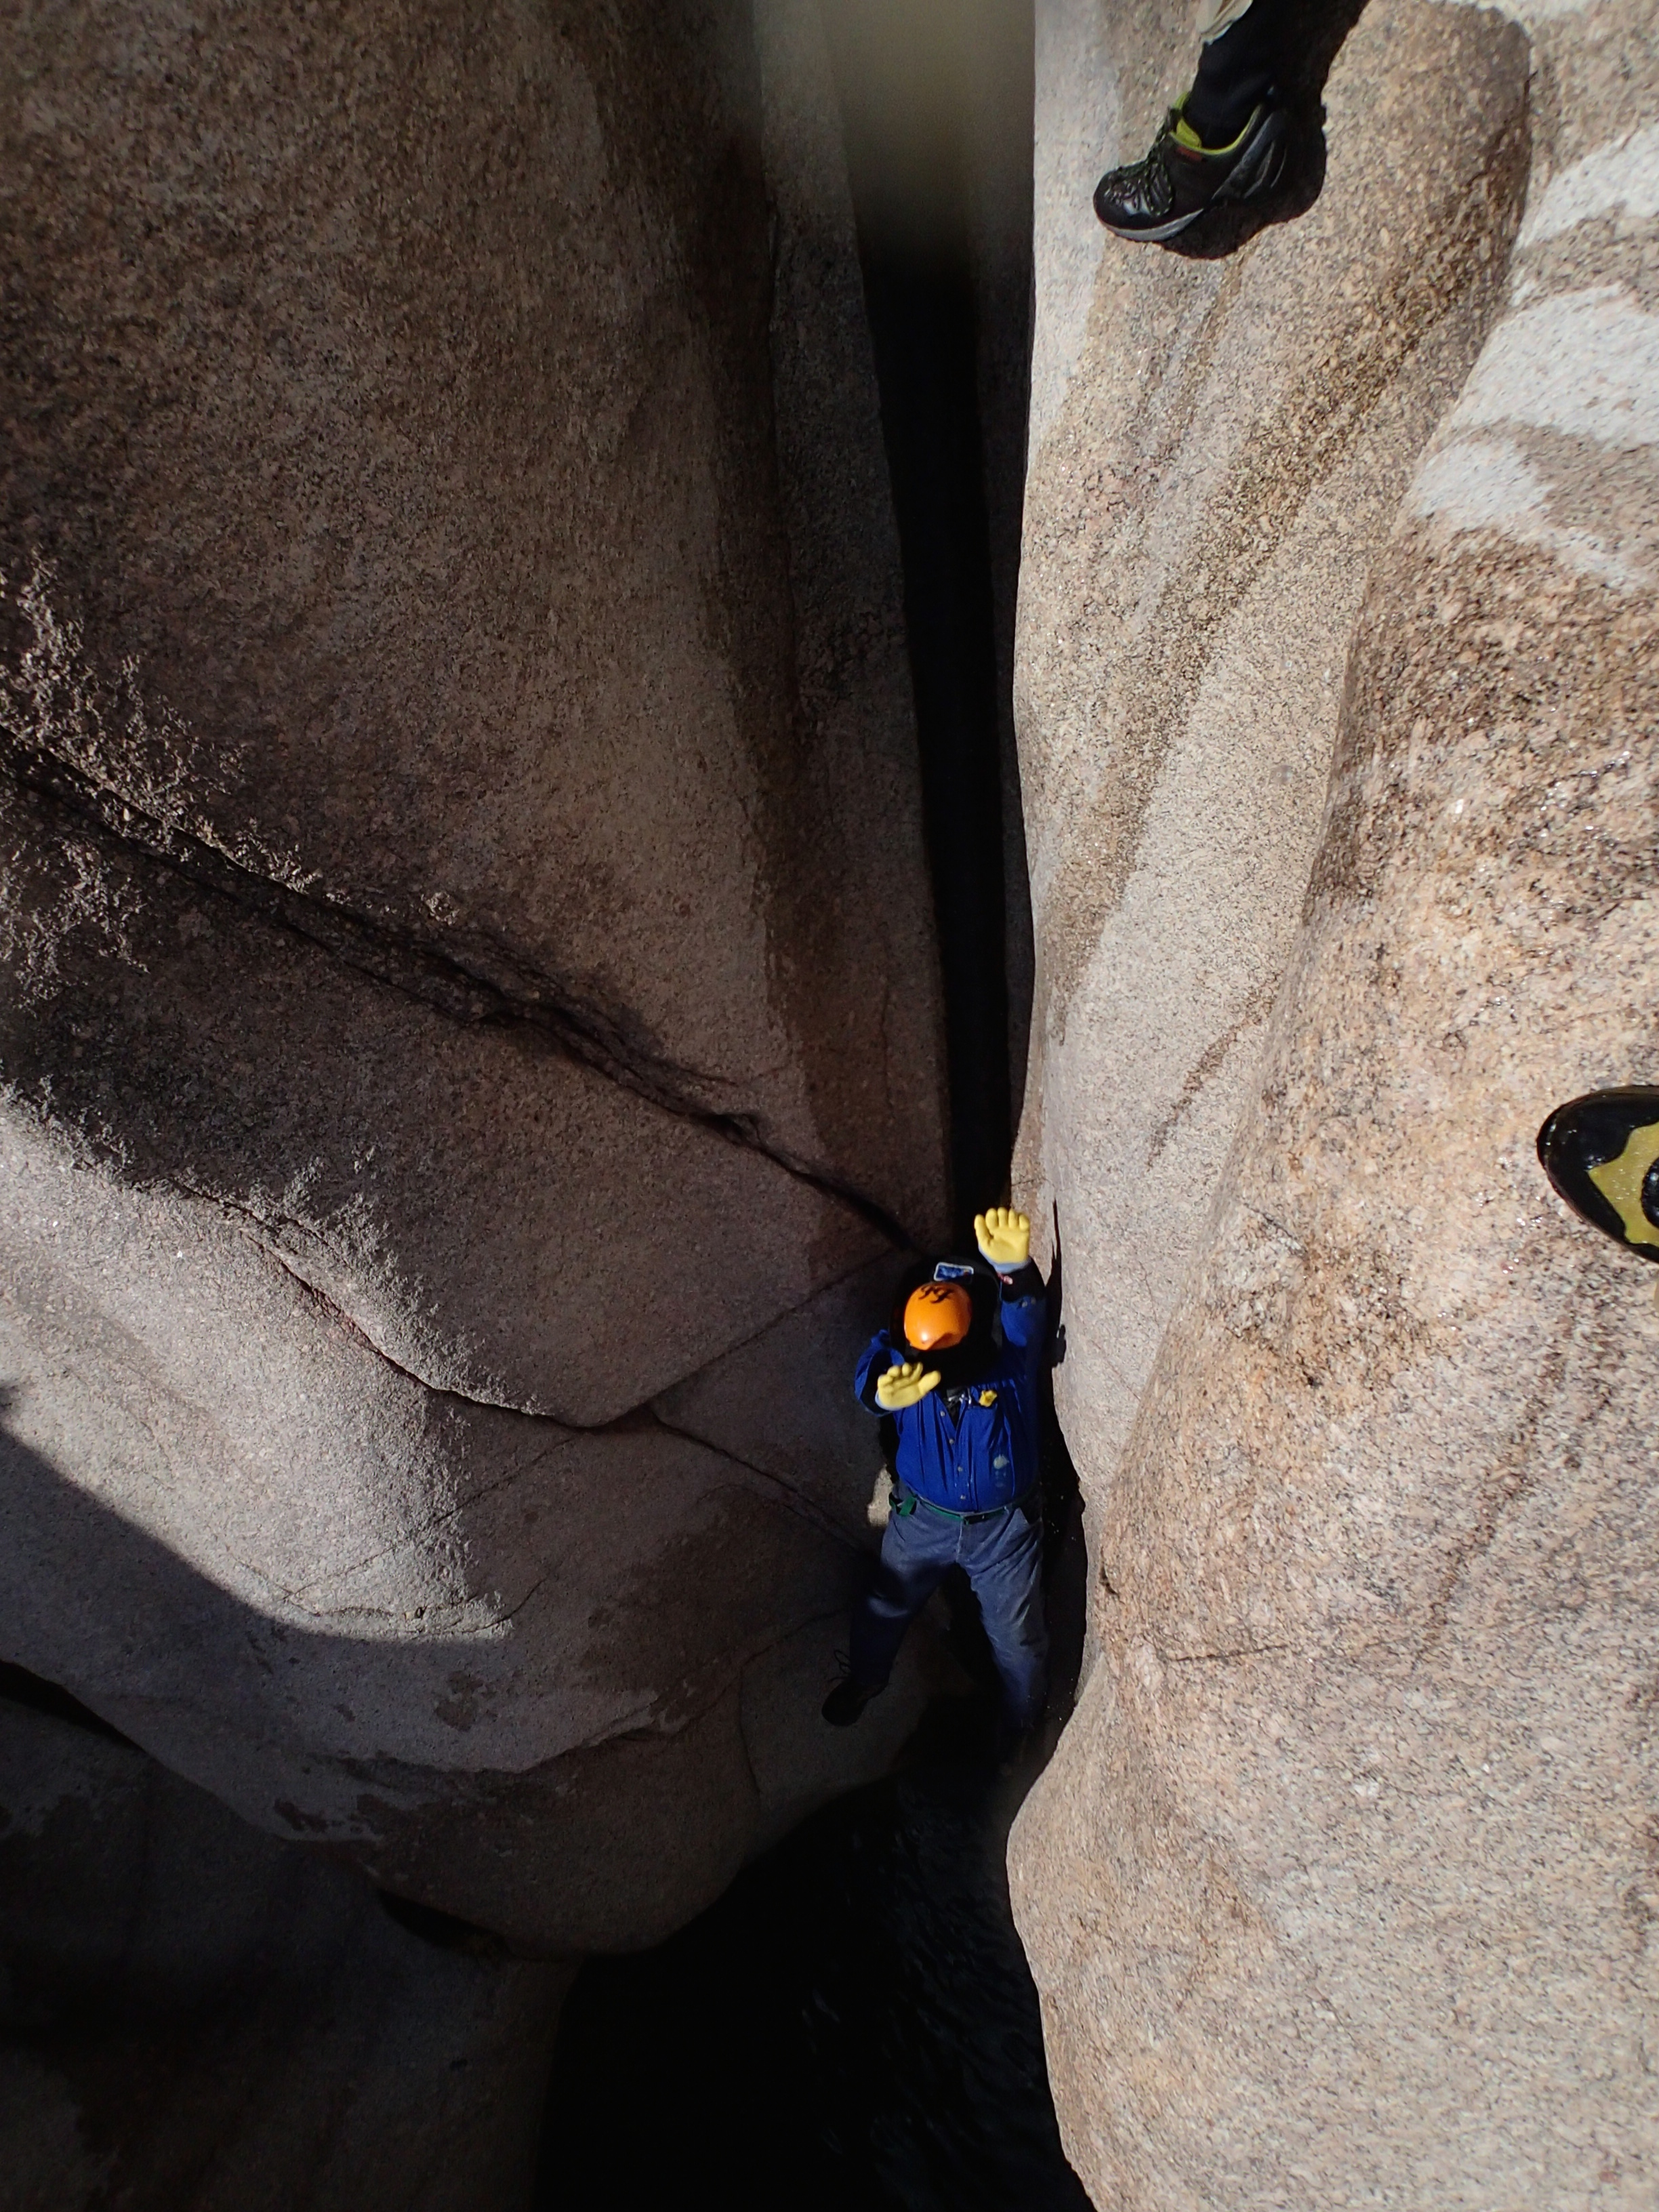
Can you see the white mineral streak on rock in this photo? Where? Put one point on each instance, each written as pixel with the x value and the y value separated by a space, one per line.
pixel 1485 484
pixel 1311 1893
pixel 1530 12
pixel 1548 11
pixel 1621 179
pixel 1585 363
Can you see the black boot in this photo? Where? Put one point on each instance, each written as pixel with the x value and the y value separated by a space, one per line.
pixel 847 1701
pixel 1601 1153
pixel 1180 178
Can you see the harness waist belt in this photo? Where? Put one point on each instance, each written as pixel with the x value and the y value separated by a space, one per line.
pixel 969 1518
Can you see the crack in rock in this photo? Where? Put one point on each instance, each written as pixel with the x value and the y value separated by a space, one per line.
pixel 518 998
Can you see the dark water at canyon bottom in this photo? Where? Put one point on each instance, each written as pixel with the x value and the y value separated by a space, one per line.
pixel 852 2028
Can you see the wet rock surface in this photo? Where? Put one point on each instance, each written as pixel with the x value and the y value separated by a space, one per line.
pixel 1335 1890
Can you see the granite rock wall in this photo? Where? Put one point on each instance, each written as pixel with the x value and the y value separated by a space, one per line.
pixel 195 2014
pixel 461 866
pixel 1337 714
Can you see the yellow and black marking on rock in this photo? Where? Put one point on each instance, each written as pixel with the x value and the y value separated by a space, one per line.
pixel 1601 1154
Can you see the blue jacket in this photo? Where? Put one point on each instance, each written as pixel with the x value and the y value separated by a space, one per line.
pixel 977 1456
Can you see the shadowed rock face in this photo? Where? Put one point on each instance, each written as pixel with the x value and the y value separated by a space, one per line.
pixel 194 2013
pixel 468 959
pixel 1337 706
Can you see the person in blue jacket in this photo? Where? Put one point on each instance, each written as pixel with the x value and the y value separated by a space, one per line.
pixel 960 1375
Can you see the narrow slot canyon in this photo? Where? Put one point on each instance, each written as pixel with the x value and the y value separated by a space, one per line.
pixel 640 669
pixel 936 106
pixel 853 2024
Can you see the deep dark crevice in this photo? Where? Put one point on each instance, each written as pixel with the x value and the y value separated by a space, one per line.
pixel 444 1932
pixel 852 2027
pixel 924 323
pixel 937 110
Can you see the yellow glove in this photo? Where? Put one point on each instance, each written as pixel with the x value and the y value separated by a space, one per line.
pixel 1005 1237
pixel 904 1385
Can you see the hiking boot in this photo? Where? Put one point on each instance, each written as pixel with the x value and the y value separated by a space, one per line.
pixel 847 1701
pixel 1180 178
pixel 1601 1153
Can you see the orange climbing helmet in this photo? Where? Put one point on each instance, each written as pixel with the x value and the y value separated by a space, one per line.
pixel 938 1316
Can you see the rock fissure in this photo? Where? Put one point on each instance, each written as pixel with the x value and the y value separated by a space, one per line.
pixel 793 1496
pixel 401 960
pixel 663 1717
pixel 256 1226
pixel 1504 1487
pixel 1239 1651
pixel 423 1530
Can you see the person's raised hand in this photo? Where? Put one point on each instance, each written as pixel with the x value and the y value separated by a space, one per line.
pixel 904 1385
pixel 1005 1237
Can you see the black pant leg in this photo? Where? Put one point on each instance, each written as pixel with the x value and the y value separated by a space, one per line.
pixel 1236 72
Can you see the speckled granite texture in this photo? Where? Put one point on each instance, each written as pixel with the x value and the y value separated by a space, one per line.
pixel 1338 711
pixel 460 862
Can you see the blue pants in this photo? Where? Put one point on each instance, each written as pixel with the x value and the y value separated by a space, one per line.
pixel 1003 1560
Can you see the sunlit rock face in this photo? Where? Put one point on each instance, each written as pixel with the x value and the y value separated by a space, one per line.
pixel 468 960
pixel 1337 717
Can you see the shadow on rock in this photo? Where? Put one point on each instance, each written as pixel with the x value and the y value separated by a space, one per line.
pixel 852 2028
pixel 1314 35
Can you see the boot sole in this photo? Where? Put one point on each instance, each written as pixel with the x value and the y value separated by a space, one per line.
pixel 1163 230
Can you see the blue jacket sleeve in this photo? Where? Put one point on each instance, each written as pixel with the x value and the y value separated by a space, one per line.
pixel 877 1358
pixel 1024 1309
